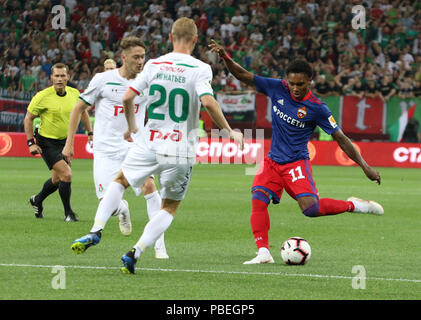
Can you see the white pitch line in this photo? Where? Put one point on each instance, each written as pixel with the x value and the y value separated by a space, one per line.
pixel 305 275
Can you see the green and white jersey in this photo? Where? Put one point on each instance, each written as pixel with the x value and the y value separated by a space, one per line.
pixel 173 84
pixel 106 90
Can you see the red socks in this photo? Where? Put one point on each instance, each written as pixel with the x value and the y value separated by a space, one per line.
pixel 260 223
pixel 329 207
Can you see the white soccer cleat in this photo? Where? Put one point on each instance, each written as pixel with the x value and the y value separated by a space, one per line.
pixel 161 253
pixel 124 220
pixel 364 206
pixel 263 256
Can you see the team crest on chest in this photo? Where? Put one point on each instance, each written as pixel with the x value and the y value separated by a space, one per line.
pixel 301 112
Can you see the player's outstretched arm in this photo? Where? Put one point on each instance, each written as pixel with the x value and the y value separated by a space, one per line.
pixel 129 113
pixel 234 68
pixel 80 108
pixel 214 110
pixel 346 145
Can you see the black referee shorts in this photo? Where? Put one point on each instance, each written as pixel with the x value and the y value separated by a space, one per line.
pixel 51 149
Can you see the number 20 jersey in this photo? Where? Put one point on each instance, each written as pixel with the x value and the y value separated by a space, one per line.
pixel 174 84
pixel 106 90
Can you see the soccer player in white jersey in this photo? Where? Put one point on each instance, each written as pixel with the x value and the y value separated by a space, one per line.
pixel 176 85
pixel 106 90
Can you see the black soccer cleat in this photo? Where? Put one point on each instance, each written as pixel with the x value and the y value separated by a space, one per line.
pixel 71 217
pixel 37 207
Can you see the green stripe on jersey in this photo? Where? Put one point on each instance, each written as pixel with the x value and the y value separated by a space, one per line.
pixel 186 65
pixel 204 94
pixel 84 101
pixel 114 83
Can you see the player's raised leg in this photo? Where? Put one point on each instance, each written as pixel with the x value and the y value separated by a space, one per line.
pixel 364 206
pixel 106 168
pixel 303 189
pixel 106 207
pixel 328 207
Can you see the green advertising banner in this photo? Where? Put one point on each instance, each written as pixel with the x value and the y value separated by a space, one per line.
pixel 333 102
pixel 399 111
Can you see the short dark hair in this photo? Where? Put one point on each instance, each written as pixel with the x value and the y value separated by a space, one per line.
pixel 300 66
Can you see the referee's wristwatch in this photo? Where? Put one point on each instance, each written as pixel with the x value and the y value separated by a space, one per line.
pixel 30 142
pixel 90 133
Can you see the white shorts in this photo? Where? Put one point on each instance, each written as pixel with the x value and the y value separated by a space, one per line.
pixel 106 168
pixel 174 173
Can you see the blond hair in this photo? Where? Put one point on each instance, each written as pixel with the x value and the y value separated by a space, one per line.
pixel 184 29
pixel 111 62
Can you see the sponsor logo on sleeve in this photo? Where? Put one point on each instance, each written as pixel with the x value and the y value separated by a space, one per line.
pixel 332 122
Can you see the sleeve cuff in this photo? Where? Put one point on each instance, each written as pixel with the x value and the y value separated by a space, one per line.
pixel 135 91
pixel 206 93
pixel 89 104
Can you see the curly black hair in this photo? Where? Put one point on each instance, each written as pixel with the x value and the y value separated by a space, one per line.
pixel 300 66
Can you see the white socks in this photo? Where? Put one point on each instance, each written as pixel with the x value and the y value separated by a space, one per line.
pixel 159 220
pixel 153 205
pixel 122 207
pixel 110 203
pixel 153 230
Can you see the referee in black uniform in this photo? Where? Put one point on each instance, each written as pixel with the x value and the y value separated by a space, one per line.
pixel 53 105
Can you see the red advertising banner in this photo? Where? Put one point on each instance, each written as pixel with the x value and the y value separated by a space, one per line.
pixel 13 144
pixel 378 154
pixel 363 116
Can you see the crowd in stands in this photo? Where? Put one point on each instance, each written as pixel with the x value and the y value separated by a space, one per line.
pixel 384 59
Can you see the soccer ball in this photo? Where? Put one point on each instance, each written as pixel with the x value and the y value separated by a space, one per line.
pixel 296 250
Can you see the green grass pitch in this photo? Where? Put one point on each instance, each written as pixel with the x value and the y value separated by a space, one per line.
pixel 210 238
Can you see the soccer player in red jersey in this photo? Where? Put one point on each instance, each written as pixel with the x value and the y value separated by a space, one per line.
pixel 295 114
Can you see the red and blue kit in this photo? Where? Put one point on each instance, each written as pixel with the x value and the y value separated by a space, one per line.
pixel 287 164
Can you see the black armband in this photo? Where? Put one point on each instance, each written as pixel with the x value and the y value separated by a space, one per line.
pixel 90 133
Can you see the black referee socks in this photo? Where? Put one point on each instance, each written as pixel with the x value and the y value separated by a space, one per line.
pixel 47 189
pixel 64 189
